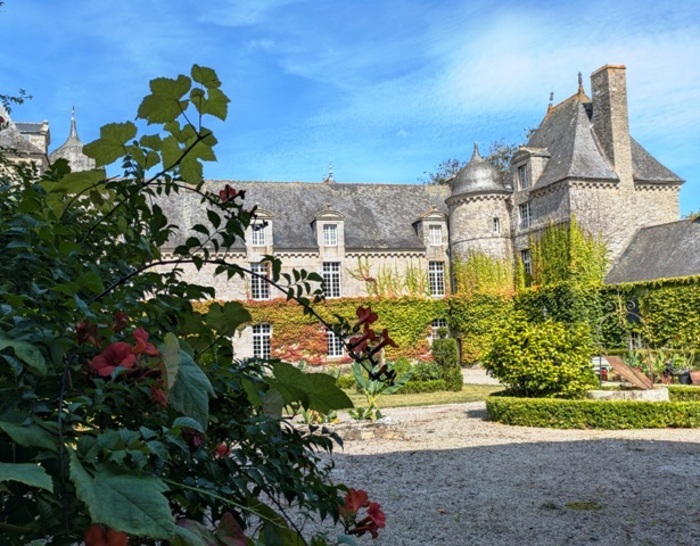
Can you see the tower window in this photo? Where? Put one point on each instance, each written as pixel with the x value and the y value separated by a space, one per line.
pixel 496 225
pixel 525 215
pixel 527 261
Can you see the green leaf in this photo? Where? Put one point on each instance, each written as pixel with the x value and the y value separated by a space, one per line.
pixel 26 352
pixel 131 502
pixel 29 435
pixel 273 403
pixel 191 391
pixel 191 169
pixel 187 422
pixel 171 355
pixel 316 391
pixel 111 144
pixel 75 182
pixel 227 317
pixel 29 474
pixel 206 76
pixel 216 104
pixel 165 102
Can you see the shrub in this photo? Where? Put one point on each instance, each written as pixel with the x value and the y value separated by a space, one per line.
pixel 346 381
pixel 605 414
pixel 546 359
pixel 425 371
pixel 430 385
pixel 680 393
pixel 447 359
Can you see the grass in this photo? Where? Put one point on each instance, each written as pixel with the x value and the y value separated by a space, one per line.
pixel 469 393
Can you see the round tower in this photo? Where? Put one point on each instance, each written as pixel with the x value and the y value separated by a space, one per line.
pixel 478 211
pixel 72 150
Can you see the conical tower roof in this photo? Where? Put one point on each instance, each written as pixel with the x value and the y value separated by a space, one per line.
pixel 72 150
pixel 477 176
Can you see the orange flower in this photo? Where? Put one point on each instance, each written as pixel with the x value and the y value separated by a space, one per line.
pixel 142 346
pixel 116 354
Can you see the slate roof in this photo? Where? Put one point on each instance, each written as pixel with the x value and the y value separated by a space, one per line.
pixel 665 251
pixel 377 216
pixel 11 138
pixel 477 176
pixel 567 134
pixel 72 150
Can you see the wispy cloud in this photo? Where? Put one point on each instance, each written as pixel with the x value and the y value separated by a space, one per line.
pixel 236 13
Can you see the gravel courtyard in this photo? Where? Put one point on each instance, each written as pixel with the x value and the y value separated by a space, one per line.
pixel 454 478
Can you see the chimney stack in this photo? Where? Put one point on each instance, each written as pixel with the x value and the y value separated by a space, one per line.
pixel 611 119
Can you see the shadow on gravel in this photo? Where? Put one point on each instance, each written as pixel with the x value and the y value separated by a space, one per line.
pixel 481 414
pixel 603 492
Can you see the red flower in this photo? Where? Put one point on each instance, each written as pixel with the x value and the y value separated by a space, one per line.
pixel 116 354
pixel 121 321
pixel 371 523
pixel 228 193
pixel 386 340
pixel 354 500
pixel 87 332
pixel 193 438
pixel 142 346
pixel 358 344
pixel 365 316
pixel 159 396
pixel 222 450
pixel 95 535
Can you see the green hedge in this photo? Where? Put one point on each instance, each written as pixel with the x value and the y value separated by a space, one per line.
pixel 683 393
pixel 605 414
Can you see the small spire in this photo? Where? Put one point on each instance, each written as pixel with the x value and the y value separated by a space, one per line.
pixel 73 129
pixel 330 172
pixel 550 106
pixel 476 154
pixel 580 84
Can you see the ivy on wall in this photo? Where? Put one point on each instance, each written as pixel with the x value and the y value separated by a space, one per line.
pixel 480 273
pixel 391 281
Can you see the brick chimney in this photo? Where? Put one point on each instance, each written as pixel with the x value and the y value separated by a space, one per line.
pixel 611 119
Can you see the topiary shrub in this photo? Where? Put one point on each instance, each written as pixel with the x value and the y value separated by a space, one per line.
pixel 447 359
pixel 546 359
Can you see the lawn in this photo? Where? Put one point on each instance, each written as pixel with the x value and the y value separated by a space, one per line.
pixel 469 393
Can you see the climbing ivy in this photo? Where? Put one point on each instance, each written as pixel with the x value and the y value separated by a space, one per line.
pixel 480 273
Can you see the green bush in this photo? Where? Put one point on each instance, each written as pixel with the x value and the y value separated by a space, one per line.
pixel 605 414
pixel 345 381
pixel 683 393
pixel 425 371
pixel 447 359
pixel 431 385
pixel 547 359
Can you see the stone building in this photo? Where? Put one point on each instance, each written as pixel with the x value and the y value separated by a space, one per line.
pixel 394 239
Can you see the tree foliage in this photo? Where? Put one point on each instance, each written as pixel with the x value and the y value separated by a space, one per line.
pixel 121 410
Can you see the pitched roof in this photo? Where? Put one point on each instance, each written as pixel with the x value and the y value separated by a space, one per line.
pixel 567 134
pixel 666 251
pixel 11 138
pixel 376 216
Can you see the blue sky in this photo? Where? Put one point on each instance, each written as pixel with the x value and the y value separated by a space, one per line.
pixel 385 90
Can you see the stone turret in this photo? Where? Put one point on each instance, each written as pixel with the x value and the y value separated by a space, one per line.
pixel 478 211
pixel 72 150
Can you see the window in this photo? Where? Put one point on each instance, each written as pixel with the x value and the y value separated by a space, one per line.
pixel 435 235
pixel 258 237
pixel 261 340
pixel 635 341
pixel 330 235
pixel 335 344
pixel 435 326
pixel 436 278
pixel 497 225
pixel 259 288
pixel 331 279
pixel 525 215
pixel 527 261
pixel 523 177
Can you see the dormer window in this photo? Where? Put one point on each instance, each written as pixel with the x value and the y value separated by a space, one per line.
pixel 435 235
pixel 523 177
pixel 258 234
pixel 330 234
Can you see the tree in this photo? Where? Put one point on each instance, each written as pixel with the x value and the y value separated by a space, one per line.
pixel 122 412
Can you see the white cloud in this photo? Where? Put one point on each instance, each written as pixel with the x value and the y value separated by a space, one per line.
pixel 239 13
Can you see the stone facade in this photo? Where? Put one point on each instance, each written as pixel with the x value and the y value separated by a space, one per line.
pixel 392 240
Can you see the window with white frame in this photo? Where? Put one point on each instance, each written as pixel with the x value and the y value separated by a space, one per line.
pixel 258 234
pixel 262 333
pixel 527 261
pixel 523 177
pixel 330 234
pixel 436 278
pixel 635 341
pixel 496 225
pixel 525 215
pixel 331 279
pixel 435 235
pixel 435 326
pixel 335 344
pixel 259 287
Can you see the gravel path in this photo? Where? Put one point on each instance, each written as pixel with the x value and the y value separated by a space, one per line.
pixel 456 479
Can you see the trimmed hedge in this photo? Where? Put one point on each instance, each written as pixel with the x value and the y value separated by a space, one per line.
pixel 683 393
pixel 605 414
